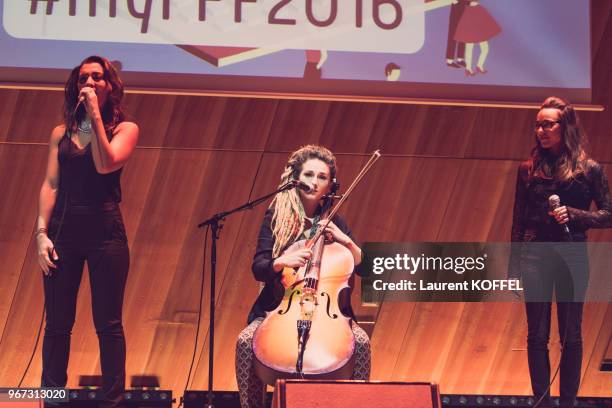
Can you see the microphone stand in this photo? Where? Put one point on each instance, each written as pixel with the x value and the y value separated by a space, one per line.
pixel 216 225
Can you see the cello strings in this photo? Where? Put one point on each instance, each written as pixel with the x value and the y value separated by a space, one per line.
pixel 375 156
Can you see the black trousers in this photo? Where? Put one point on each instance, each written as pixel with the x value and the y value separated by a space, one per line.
pixel 98 237
pixel 564 268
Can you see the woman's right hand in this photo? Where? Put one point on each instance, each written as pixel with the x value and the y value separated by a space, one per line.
pixel 46 251
pixel 294 259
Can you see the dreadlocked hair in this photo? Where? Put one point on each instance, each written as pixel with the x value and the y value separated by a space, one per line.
pixel 288 216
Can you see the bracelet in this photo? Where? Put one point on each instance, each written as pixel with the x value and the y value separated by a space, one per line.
pixel 41 231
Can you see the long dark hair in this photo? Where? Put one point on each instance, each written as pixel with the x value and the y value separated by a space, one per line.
pixel 573 158
pixel 112 114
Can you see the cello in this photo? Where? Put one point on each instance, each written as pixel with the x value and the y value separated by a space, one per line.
pixel 307 336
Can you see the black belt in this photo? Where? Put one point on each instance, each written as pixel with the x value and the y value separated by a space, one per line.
pixel 91 208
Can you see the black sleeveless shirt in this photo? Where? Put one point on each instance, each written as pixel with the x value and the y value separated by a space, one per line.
pixel 80 180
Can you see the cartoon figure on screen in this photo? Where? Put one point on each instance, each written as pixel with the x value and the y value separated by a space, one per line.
pixel 455 51
pixel 554 192
pixel 392 71
pixel 314 63
pixel 279 261
pixel 476 26
pixel 79 220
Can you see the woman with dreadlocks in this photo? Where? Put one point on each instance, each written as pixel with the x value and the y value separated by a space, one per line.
pixel 294 215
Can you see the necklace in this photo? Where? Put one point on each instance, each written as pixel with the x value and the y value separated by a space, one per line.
pixel 85 126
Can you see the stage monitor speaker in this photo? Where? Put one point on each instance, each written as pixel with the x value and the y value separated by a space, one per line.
pixel 354 394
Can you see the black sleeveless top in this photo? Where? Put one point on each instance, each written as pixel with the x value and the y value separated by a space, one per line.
pixel 80 180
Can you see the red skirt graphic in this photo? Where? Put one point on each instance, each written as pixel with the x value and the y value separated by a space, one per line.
pixel 476 25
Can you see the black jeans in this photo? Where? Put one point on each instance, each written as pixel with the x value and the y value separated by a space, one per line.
pixel 564 268
pixel 98 237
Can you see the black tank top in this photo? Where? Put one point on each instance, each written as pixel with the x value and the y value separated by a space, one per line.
pixel 80 180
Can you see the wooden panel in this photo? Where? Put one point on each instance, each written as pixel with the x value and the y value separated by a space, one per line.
pixel 21 174
pixel 404 129
pixel 596 331
pixel 483 197
pixel 502 134
pixel 595 381
pixel 238 289
pixel 428 331
pixel 35 114
pixel 447 137
pixel 297 123
pixel 399 129
pixel 507 373
pixel 177 301
pixel 21 327
pixel 603 235
pixel 195 122
pixel 607 358
pixel 424 187
pixel 597 125
pixel 302 122
pixel 203 122
pixel 153 114
pixel 486 345
pixel 7 110
pixel 348 127
pixel 403 199
pixel 246 124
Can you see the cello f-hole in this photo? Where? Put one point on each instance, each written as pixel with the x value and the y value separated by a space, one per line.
pixel 334 315
pixel 294 293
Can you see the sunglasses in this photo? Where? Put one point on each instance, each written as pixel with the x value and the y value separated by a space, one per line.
pixel 544 124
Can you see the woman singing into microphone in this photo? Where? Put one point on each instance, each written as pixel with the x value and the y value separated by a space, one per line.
pixel 79 220
pixel 294 215
pixel 556 257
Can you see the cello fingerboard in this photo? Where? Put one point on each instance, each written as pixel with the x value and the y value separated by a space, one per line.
pixel 310 283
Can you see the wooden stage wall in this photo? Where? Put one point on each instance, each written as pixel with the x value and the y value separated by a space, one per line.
pixel 448 174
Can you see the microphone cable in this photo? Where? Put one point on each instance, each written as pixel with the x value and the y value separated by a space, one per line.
pixel 195 344
pixel 55 238
pixel 554 377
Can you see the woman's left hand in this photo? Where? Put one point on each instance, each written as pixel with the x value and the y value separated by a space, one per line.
pixel 339 236
pixel 90 101
pixel 561 215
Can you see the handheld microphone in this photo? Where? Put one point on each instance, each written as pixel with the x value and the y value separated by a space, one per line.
pixel 555 202
pixel 79 102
